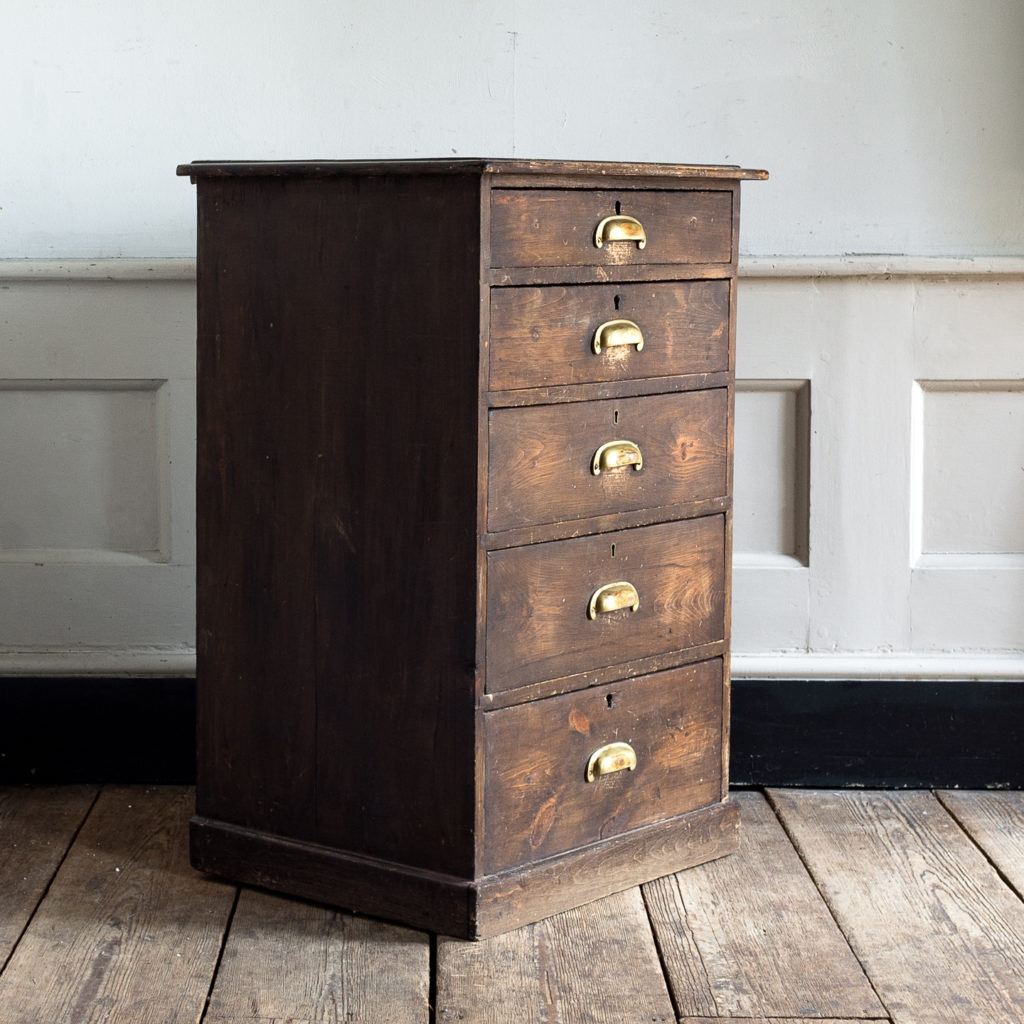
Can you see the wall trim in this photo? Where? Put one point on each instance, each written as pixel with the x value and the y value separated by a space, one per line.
pixel 129 269
pixel 143 664
pixel 882 266
pixel 895 667
pixel 890 666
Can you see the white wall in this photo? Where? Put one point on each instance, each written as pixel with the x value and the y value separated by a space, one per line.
pixel 889 125
pixel 881 407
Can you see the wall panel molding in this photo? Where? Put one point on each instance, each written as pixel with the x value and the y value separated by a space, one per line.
pixel 854 265
pixel 837 358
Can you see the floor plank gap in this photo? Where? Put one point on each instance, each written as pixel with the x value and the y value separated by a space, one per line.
pixel 72 839
pixel 795 843
pixel 220 953
pixel 661 955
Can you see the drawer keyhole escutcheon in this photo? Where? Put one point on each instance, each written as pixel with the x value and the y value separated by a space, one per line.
pixel 615 455
pixel 615 333
pixel 620 228
pixel 611 758
pixel 613 597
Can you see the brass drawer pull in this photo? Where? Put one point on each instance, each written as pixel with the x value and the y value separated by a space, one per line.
pixel 615 455
pixel 612 597
pixel 617 332
pixel 620 228
pixel 612 757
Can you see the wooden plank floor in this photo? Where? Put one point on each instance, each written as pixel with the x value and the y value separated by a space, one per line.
pixel 839 907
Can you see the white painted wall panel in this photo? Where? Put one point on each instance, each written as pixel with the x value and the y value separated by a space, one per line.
pixel 889 126
pixel 81 465
pixel 972 467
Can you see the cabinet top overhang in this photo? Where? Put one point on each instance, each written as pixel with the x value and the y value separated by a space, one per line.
pixel 475 166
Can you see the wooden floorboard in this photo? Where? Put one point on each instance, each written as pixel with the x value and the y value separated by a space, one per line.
pixel 37 825
pixel 839 908
pixel 995 821
pixel 288 960
pixel 938 932
pixel 748 936
pixel 594 965
pixel 127 933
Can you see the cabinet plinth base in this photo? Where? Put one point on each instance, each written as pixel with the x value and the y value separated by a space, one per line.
pixel 467 909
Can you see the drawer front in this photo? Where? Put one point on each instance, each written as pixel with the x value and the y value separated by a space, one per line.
pixel 540 620
pixel 647 452
pixel 538 801
pixel 555 335
pixel 558 228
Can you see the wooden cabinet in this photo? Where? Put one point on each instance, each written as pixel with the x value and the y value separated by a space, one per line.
pixel 463 530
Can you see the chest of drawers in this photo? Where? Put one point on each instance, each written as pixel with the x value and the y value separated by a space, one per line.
pixel 464 471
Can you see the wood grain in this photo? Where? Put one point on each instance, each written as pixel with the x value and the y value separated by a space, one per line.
pixel 783 1020
pixel 537 599
pixel 749 935
pixel 995 821
pixel 537 801
pixel 593 965
pixel 287 960
pixel 127 933
pixel 555 228
pixel 541 458
pixel 938 933
pixel 544 336
pixel 37 825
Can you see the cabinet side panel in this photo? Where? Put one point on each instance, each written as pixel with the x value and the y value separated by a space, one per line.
pixel 338 399
pixel 256 657
pixel 395 536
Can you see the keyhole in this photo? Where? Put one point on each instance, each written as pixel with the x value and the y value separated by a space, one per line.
pixel 613 551
pixel 618 299
pixel 615 416
pixel 610 699
pixel 618 206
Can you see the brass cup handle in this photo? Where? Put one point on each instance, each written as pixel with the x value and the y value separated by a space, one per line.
pixel 620 228
pixel 611 758
pixel 611 598
pixel 615 455
pixel 613 333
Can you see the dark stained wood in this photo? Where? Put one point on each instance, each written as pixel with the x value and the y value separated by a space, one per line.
pixel 538 596
pixel 593 965
pixel 37 825
pixel 314 871
pixel 538 801
pixel 453 906
pixel 938 933
pixel 544 336
pixel 571 169
pixel 542 457
pixel 604 390
pixel 623 273
pixel 335 582
pixel 603 524
pixel 748 936
pixel 372 564
pixel 555 228
pixel 517 897
pixel 286 960
pixel 127 931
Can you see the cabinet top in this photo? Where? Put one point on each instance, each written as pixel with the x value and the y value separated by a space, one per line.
pixel 327 168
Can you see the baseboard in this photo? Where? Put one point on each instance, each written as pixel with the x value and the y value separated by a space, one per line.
pixel 785 732
pixel 941 733
pixel 63 730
